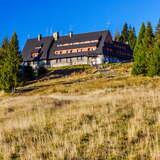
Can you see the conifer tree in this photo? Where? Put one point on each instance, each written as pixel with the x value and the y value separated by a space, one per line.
pixel 15 58
pixel 5 43
pixel 141 34
pixel 139 66
pixel 148 36
pixel 154 58
pixel 157 33
pixel 10 65
pixel 117 36
pixel 148 47
pixel 5 73
pixel 153 67
pixel 132 37
pixel 124 34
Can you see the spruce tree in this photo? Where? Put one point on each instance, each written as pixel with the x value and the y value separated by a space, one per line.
pixel 141 34
pixel 117 36
pixel 148 36
pixel 15 58
pixel 153 67
pixel 124 34
pixel 139 66
pixel 5 70
pixel 5 43
pixel 10 65
pixel 148 47
pixel 132 37
pixel 154 57
pixel 157 33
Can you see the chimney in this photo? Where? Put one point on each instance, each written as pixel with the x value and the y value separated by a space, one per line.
pixel 70 34
pixel 56 36
pixel 39 37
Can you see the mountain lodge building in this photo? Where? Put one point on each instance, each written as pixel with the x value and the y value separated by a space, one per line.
pixel 74 49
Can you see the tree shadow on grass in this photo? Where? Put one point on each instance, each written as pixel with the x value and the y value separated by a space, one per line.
pixel 58 73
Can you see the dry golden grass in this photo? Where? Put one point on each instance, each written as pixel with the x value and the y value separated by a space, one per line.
pixel 97 117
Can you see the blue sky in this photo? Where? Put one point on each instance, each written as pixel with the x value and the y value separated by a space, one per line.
pixel 31 17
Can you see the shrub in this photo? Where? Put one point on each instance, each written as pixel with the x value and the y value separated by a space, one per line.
pixel 41 71
pixel 28 73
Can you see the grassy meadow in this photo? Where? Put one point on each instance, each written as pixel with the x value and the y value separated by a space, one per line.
pixel 83 115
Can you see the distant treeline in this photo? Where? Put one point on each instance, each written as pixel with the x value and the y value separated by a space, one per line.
pixel 146 48
pixel 147 51
pixel 127 35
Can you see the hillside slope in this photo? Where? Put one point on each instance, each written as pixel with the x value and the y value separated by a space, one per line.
pixel 88 115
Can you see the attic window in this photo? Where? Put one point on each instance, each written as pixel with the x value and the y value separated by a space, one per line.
pixel 34 55
pixel 38 47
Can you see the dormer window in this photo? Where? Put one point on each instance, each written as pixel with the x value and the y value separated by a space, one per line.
pixel 38 47
pixel 36 51
pixel 34 55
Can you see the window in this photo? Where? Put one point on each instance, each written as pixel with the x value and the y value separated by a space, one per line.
pixel 67 60
pixel 34 62
pixel 33 55
pixel 79 58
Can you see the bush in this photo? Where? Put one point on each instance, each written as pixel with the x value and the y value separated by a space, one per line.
pixel 41 71
pixel 28 73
